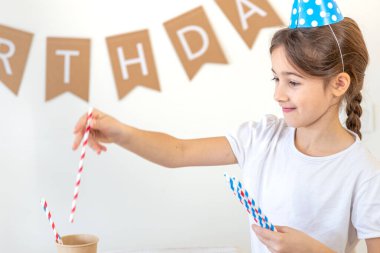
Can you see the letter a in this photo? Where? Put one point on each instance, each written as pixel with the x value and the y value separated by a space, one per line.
pixel 253 10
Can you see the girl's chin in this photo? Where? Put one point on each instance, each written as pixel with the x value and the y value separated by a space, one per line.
pixel 291 123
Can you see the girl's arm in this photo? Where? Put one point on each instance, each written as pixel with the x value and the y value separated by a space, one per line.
pixel 373 245
pixel 157 147
pixel 171 152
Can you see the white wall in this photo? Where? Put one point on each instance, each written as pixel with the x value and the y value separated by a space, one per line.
pixel 128 202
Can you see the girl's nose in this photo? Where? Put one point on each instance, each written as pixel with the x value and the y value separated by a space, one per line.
pixel 280 93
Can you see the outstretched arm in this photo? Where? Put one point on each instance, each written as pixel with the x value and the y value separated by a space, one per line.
pixel 171 152
pixel 157 147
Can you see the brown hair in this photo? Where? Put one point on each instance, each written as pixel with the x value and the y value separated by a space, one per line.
pixel 315 52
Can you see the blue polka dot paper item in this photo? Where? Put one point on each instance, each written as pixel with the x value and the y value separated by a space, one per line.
pixel 314 13
pixel 249 203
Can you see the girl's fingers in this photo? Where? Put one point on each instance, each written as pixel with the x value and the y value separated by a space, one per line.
pixel 77 140
pixel 102 148
pixel 265 236
pixel 282 229
pixel 79 130
pixel 92 142
pixel 262 232
pixel 95 145
pixel 81 124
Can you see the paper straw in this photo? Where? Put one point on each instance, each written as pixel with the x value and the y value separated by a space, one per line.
pixel 48 215
pixel 249 203
pixel 80 167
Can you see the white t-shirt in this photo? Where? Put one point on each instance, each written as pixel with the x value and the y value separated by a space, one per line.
pixel 334 199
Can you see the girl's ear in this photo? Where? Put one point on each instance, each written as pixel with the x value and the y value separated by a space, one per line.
pixel 340 84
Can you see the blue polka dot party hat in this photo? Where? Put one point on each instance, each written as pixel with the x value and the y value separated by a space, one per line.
pixel 313 13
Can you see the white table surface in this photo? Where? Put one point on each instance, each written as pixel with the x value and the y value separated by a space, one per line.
pixel 179 250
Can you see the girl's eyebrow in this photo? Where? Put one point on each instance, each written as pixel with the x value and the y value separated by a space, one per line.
pixel 288 73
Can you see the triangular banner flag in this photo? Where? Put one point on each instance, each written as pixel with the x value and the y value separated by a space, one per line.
pixel 249 17
pixel 14 50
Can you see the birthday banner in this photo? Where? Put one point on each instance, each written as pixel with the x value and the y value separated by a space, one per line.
pixel 249 17
pixel 131 54
pixel 194 41
pixel 14 50
pixel 67 67
pixel 132 62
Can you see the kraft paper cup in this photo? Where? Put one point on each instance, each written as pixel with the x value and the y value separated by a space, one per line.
pixel 78 244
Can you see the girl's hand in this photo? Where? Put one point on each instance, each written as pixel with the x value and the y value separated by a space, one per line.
pixel 289 240
pixel 104 129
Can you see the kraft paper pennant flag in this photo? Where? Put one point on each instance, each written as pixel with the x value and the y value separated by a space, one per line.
pixel 67 67
pixel 313 13
pixel 14 50
pixel 249 16
pixel 132 62
pixel 194 41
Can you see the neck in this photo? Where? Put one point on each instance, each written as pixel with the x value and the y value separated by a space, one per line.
pixel 324 137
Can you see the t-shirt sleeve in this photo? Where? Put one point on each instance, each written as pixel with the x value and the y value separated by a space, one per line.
pixel 366 208
pixel 252 137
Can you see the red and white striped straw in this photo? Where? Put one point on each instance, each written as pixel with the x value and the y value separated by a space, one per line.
pixel 52 224
pixel 80 167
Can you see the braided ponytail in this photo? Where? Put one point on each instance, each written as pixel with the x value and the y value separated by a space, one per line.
pixel 354 111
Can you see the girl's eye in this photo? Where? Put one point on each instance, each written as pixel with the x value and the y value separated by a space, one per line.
pixel 276 79
pixel 292 83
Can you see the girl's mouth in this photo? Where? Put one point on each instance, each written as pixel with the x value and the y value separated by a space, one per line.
pixel 287 109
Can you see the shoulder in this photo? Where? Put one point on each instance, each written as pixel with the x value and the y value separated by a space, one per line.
pixel 262 129
pixel 364 163
pixel 258 134
pixel 255 137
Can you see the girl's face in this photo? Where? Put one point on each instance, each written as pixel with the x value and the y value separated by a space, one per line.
pixel 304 100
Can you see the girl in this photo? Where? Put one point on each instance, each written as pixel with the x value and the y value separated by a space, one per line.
pixel 312 176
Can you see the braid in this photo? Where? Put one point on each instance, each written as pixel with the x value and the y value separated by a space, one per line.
pixel 354 111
